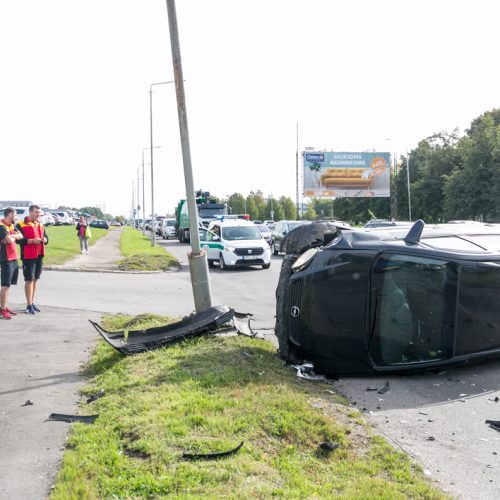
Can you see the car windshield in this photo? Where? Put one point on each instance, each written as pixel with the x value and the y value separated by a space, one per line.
pixel 241 233
pixel 171 222
pixel 263 228
pixel 293 225
pixel 210 212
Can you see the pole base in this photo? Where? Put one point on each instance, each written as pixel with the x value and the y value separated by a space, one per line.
pixel 198 267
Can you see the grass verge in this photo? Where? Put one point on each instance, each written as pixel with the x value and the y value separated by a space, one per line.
pixel 207 395
pixel 141 256
pixel 64 243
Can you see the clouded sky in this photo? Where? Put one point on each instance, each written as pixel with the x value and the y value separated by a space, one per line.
pixel 75 79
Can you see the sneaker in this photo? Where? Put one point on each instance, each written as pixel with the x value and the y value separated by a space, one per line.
pixel 11 312
pixel 35 308
pixel 5 314
pixel 29 310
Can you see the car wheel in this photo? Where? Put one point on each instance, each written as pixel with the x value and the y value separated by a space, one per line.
pixel 222 264
pixel 266 266
pixel 210 263
pixel 273 248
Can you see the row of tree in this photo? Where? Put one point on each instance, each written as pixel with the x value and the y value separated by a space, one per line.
pixel 451 177
pixel 260 208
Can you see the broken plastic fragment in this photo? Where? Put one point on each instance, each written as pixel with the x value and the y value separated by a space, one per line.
pixel 306 371
pixel 328 446
pixel 384 389
pixel 211 456
pixel 494 424
pixel 95 396
pixel 27 403
pixel 61 417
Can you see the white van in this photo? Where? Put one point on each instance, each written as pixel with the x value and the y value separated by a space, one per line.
pixel 236 243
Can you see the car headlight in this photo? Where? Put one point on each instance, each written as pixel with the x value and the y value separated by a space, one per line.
pixel 304 259
pixel 229 249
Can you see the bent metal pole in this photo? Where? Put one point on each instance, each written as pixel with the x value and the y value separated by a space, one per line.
pixel 198 265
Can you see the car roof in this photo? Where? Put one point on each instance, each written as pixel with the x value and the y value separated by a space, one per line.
pixel 450 239
pixel 232 223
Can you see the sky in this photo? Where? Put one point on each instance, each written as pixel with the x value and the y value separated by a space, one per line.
pixel 349 75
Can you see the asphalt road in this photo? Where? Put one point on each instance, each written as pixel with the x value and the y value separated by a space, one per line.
pixel 438 418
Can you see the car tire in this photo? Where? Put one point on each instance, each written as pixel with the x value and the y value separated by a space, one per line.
pixel 266 266
pixel 210 263
pixel 273 248
pixel 222 264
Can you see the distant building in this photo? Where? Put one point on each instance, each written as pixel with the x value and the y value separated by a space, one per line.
pixel 15 203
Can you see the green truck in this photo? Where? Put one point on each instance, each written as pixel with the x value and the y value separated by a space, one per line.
pixel 208 211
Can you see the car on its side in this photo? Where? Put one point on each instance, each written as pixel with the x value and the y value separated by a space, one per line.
pixel 102 224
pixel 167 229
pixel 392 299
pixel 283 227
pixel 236 243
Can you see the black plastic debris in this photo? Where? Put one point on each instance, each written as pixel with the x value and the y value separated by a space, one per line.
pixel 431 438
pixel 211 456
pixel 28 403
pixel 328 446
pixel 148 339
pixel 95 396
pixel 371 389
pixel 384 389
pixel 61 417
pixel 494 424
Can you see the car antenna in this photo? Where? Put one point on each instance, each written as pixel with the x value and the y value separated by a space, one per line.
pixel 413 236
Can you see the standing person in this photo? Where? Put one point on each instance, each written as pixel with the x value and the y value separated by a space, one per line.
pixel 83 232
pixel 8 259
pixel 32 251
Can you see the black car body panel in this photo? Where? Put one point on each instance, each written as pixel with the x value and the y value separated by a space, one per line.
pixel 387 300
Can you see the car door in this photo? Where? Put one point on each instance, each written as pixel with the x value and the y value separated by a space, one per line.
pixel 213 245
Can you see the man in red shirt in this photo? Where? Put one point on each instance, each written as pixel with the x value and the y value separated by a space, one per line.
pixel 32 251
pixel 8 259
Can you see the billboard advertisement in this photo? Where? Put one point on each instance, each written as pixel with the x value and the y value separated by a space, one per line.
pixel 343 174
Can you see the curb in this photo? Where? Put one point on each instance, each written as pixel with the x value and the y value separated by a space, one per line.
pixel 109 271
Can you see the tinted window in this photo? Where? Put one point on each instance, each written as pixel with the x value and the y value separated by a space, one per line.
pixel 414 302
pixel 478 325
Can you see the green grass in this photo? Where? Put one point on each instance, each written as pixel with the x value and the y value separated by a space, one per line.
pixel 140 255
pixel 64 243
pixel 208 394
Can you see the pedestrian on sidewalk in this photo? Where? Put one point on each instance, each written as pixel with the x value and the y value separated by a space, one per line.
pixel 83 232
pixel 32 252
pixel 8 259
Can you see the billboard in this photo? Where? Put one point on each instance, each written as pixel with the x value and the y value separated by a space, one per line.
pixel 343 174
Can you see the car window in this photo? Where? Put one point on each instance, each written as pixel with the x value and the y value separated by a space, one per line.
pixel 241 233
pixel 487 241
pixel 171 223
pixel 413 305
pixel 450 243
pixel 479 290
pixel 262 228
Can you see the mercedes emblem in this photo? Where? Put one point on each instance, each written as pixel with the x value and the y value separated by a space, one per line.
pixel 294 311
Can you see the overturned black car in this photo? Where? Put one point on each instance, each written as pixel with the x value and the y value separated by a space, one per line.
pixel 391 299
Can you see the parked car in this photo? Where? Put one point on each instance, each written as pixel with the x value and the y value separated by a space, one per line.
pixel 47 219
pixel 236 243
pixel 270 223
pixel 391 299
pixel 374 223
pixel 61 218
pixel 265 231
pixel 102 224
pixel 167 229
pixel 283 227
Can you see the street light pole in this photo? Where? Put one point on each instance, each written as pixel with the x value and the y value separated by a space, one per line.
pixel 143 197
pixel 198 265
pixel 408 181
pixel 151 147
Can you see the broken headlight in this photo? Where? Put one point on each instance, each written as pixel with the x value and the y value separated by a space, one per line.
pixel 304 259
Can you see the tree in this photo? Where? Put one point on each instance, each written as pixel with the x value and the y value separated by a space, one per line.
pixel 310 213
pixel 252 209
pixel 92 211
pixel 289 208
pixel 236 204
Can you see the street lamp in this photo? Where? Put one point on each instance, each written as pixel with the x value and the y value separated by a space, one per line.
pixel 143 196
pixel 153 233
pixel 407 175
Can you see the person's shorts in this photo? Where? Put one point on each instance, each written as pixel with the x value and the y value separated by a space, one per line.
pixel 32 269
pixel 10 272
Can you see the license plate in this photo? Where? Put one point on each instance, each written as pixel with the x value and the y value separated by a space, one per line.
pixel 249 257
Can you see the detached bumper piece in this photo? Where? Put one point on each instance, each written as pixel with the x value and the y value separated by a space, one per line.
pixel 138 341
pixel 61 417
pixel 211 456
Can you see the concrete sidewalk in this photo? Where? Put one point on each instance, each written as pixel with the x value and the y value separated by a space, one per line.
pixel 40 361
pixel 103 256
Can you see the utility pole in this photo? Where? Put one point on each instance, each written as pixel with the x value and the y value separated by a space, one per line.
pixel 408 182
pixel 138 198
pixel 143 198
pixel 297 173
pixel 198 265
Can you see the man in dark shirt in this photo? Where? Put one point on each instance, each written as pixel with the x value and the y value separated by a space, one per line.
pixel 8 259
pixel 32 251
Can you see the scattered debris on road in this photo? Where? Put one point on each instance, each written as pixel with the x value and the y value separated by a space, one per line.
pixel 61 417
